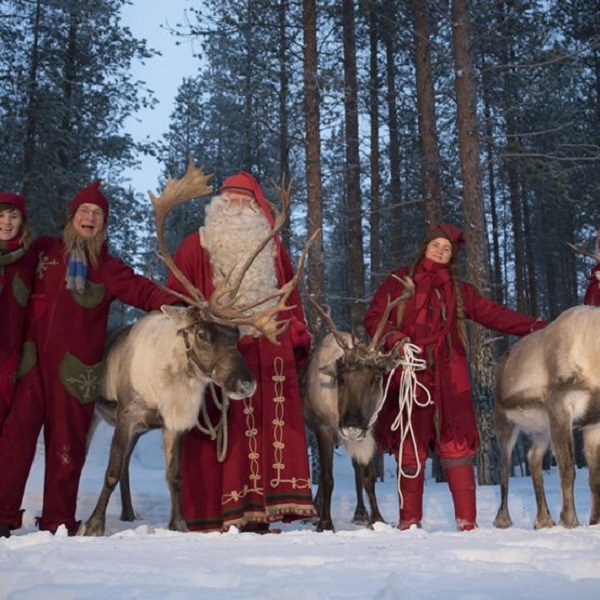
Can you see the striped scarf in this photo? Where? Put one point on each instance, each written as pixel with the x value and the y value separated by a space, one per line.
pixel 76 270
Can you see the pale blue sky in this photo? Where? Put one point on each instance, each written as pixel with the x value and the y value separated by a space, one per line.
pixel 163 74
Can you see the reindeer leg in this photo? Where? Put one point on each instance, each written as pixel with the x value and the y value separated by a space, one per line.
pixel 325 444
pixel 535 457
pixel 318 501
pixel 561 428
pixel 591 437
pixel 127 512
pixel 361 516
pixel 119 447
pixel 507 433
pixel 369 478
pixel 173 444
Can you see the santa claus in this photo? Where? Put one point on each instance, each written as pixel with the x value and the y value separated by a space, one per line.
pixel 264 474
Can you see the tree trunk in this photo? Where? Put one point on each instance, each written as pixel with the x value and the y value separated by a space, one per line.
pixel 430 154
pixel 356 279
pixel 477 259
pixel 29 149
pixel 393 212
pixel 283 96
pixel 312 148
pixel 375 215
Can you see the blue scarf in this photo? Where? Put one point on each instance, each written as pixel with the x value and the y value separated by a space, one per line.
pixel 76 270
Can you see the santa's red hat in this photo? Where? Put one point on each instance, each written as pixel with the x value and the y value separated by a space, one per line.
pixel 89 195
pixel 14 200
pixel 244 183
pixel 449 232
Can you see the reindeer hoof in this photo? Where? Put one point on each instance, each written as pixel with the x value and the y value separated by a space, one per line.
pixel 325 526
pixel 92 528
pixel 569 523
pixel 179 525
pixel 502 521
pixel 361 519
pixel 544 523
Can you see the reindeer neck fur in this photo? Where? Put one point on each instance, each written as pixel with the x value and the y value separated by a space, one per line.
pixel 162 379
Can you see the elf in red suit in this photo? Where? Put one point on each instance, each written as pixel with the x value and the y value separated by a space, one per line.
pixel 264 476
pixel 17 267
pixel 75 283
pixel 432 318
pixel 592 293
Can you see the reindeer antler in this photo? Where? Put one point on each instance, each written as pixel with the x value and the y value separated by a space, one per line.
pixel 220 307
pixel 581 249
pixel 360 347
pixel 409 288
pixel 176 191
pixel 263 320
pixel 326 316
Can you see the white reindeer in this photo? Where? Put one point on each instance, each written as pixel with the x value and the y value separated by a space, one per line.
pixel 548 383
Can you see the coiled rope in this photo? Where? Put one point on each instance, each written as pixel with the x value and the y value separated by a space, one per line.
pixel 407 400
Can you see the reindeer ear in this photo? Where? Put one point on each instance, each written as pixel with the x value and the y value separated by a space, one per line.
pixel 329 369
pixel 182 316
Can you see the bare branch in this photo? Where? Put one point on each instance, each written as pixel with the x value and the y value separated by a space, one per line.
pixel 581 248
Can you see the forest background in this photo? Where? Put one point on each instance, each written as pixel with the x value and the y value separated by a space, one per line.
pixel 388 115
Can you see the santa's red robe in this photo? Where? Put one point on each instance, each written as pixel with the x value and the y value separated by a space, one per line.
pixel 430 321
pixel 265 474
pixel 59 376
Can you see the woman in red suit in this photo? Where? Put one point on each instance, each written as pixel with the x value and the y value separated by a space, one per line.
pixel 432 318
pixel 17 267
pixel 592 293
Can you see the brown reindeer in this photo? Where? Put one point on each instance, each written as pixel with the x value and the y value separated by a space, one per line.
pixel 342 392
pixel 158 369
pixel 547 384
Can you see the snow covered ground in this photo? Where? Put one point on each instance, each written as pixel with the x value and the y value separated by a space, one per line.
pixel 145 560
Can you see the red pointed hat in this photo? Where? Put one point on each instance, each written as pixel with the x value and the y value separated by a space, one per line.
pixel 244 183
pixel 448 231
pixel 89 195
pixel 16 201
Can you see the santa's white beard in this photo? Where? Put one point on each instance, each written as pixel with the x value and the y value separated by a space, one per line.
pixel 230 234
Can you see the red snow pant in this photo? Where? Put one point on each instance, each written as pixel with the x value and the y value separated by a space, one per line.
pixel 457 462
pixel 41 401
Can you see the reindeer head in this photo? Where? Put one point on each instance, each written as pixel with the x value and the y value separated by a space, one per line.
pixel 358 370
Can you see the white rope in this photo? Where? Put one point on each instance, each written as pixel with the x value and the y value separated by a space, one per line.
pixel 407 400
pixel 220 430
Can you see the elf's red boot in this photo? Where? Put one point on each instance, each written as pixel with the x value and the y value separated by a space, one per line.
pixel 411 511
pixel 461 480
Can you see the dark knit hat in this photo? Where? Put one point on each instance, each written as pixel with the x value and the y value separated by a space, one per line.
pixel 89 195
pixel 449 232
pixel 14 200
